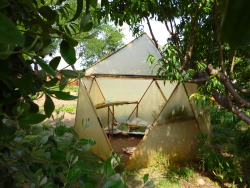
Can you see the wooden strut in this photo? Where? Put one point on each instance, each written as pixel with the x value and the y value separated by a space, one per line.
pixel 113 121
pixel 140 99
pixel 91 85
pixel 165 104
pixel 161 91
pixel 108 123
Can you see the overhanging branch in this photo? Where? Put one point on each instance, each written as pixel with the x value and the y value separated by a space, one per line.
pixel 228 85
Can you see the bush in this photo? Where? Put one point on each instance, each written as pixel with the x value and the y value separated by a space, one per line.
pixel 212 161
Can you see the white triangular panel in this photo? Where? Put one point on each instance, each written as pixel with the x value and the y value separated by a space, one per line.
pixel 202 114
pixel 129 60
pixel 167 87
pixel 151 104
pixel 88 126
pixel 87 82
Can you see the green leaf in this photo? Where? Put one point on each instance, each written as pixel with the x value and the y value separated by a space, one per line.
pixel 21 108
pixel 45 66
pixel 84 167
pixel 73 174
pixel 71 41
pixel 45 139
pixel 4 3
pixel 32 118
pixel 88 185
pixel 107 167
pixel 60 130
pixel 52 82
pixel 78 10
pixel 63 83
pixel 87 141
pixel 49 14
pixel 57 155
pixel 93 3
pixel 88 27
pixel 63 95
pixel 9 34
pixel 55 62
pixel 84 21
pixel 68 52
pixel 69 73
pixel 113 184
pixel 26 83
pixel 145 178
pixel 49 106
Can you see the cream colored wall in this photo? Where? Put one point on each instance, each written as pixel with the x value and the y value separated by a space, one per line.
pixel 174 141
pixel 92 129
pixel 173 135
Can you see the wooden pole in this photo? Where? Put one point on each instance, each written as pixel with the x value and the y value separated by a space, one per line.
pixel 137 109
pixel 108 123
pixel 113 120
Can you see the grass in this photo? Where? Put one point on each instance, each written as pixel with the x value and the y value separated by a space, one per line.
pixel 68 109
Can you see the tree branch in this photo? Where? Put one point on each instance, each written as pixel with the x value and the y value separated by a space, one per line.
pixel 222 100
pixel 233 63
pixel 218 38
pixel 241 89
pixel 190 46
pixel 228 85
pixel 152 34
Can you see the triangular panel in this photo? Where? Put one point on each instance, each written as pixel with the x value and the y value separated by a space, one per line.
pixel 172 137
pixel 87 82
pixel 177 107
pixel 202 114
pixel 167 87
pixel 88 126
pixel 129 60
pixel 151 104
pixel 97 96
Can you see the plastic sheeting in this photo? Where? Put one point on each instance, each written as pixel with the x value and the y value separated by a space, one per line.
pixel 173 135
pixel 130 59
pixel 88 126
pixel 120 89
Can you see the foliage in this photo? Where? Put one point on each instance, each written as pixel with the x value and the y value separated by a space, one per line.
pixel 29 31
pixel 208 44
pixel 215 163
pixel 108 39
pixel 55 158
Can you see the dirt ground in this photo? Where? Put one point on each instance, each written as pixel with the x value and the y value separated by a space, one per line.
pixel 67 118
pixel 119 142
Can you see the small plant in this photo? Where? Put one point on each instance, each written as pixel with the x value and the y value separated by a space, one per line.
pixel 68 109
pixel 212 161
pixel 146 181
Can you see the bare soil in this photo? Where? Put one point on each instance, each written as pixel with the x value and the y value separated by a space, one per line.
pixel 119 142
pixel 67 118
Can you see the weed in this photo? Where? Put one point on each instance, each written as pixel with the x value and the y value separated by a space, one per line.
pixel 214 162
pixel 166 182
pixel 68 109
pixel 161 160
